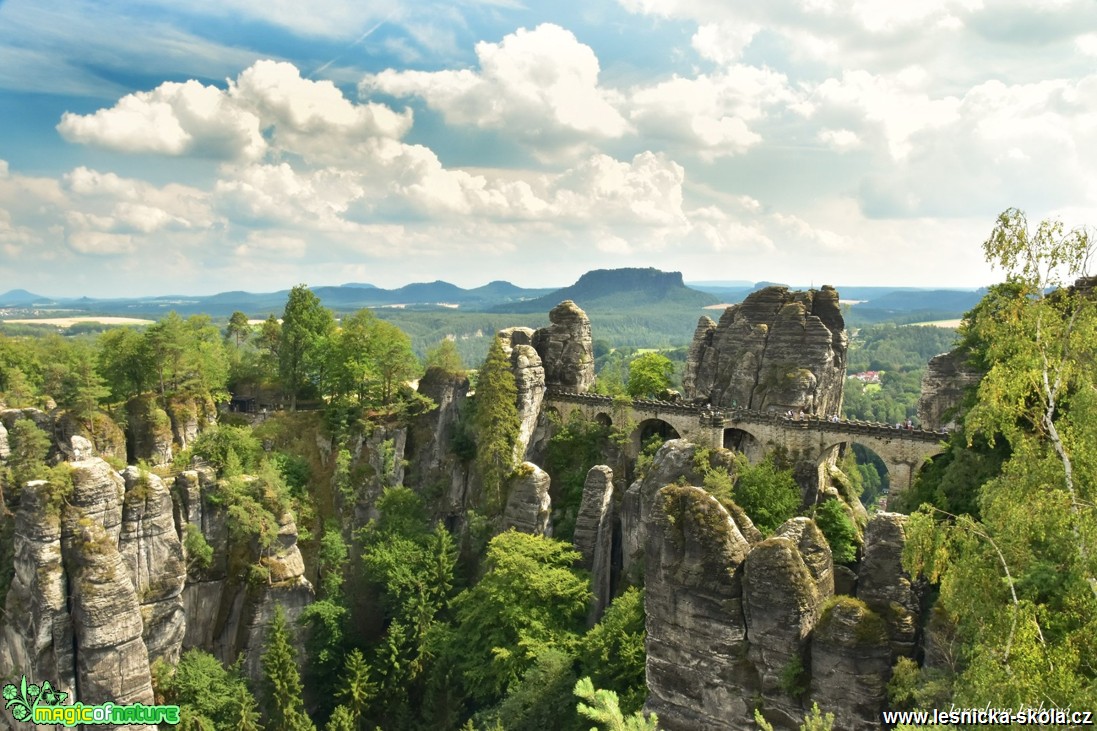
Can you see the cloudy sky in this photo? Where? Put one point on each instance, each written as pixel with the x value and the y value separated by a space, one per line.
pixel 155 146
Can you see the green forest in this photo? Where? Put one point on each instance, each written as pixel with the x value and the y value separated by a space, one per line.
pixel 417 625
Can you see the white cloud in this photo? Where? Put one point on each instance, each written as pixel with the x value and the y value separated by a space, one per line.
pixel 539 85
pixel 839 139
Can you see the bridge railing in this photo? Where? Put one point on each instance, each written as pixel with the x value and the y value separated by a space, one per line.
pixel 711 417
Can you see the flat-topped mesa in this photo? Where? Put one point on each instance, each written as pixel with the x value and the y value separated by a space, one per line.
pixel 777 350
pixel 566 348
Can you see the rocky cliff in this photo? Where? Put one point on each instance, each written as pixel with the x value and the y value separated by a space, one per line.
pixel 945 383
pixel 775 351
pixel 736 622
pixel 95 596
pixel 566 349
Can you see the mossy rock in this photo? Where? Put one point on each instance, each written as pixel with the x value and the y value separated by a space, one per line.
pixel 848 622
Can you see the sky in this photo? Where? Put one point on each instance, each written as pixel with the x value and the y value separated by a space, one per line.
pixel 154 147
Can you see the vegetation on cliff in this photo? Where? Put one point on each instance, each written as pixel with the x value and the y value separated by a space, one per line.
pixel 1015 561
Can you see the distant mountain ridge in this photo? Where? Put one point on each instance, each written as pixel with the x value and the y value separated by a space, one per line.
pixel 620 289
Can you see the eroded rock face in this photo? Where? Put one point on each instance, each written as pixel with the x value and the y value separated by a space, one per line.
pixel 814 550
pixel 884 586
pixel 566 348
pixel 431 460
pixel 149 431
pixel 944 384
pixel 783 604
pixel 698 672
pixel 36 629
pixel 777 350
pixel 593 536
pixel 529 507
pixel 851 665
pixel 153 554
pixel 5 447
pixel 529 377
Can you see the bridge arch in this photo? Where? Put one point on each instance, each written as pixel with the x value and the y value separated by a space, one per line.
pixel 745 442
pixel 650 427
pixel 902 457
pixel 603 419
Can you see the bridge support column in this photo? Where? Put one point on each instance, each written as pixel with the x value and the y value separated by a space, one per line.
pixel 900 476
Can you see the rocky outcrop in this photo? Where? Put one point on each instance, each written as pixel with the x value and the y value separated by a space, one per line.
pixel 229 605
pixel 566 348
pixel 947 379
pixel 782 604
pixel 106 437
pixel 593 536
pixel 813 549
pixel 149 431
pixel 5 447
pixel 97 567
pixel 884 586
pixel 528 504
pixel 850 664
pixel 112 661
pixel 529 377
pixel 432 463
pixel 698 671
pixel 153 554
pixel 775 351
pixel 673 462
pixel 36 631
pixel 189 416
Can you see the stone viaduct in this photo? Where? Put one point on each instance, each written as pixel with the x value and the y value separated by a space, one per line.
pixel 755 433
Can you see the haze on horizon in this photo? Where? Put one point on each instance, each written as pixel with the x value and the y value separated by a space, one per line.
pixel 149 148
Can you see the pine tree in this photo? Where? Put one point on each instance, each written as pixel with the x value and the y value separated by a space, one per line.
pixel 496 424
pixel 281 681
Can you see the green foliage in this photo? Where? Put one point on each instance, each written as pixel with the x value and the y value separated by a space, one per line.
pixel 612 652
pixel 1017 576
pixel 540 700
pixel 496 425
pixel 894 401
pixel 769 495
pixel 214 697
pixel 239 329
pixel 232 450
pixel 341 720
pixel 816 720
pixel 357 690
pixel 601 706
pixel 281 682
pixel 794 677
pixel 576 446
pixel 445 357
pixel 649 375
pixel 306 327
pixel 411 567
pixel 199 551
pixel 839 531
pixel 29 446
pixel 889 347
pixel 530 599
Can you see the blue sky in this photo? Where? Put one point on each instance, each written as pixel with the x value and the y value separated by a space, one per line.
pixel 152 147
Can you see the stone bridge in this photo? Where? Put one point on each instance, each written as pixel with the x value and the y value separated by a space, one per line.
pixel 756 433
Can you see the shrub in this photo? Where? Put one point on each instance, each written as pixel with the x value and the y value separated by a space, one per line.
pixel 839 531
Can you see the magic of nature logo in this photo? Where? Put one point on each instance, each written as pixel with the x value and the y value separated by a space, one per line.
pixel 44 704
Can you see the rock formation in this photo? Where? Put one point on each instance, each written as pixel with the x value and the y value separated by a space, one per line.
pixel 432 463
pixel 529 377
pixel 96 593
pixel 566 349
pixel 153 553
pixel 226 614
pixel 775 351
pixel 850 665
pixel 149 431
pixel 944 385
pixel 782 603
pixel 528 504
pixel 593 536
pixel 884 586
pixel 698 671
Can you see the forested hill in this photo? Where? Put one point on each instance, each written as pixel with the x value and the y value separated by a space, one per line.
pixel 612 290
